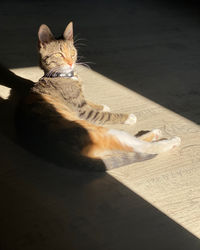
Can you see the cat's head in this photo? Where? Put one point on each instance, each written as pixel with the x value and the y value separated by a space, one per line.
pixel 56 55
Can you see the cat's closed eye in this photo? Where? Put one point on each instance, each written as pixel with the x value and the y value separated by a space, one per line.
pixel 59 55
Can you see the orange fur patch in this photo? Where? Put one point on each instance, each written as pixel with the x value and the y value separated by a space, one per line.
pixel 148 138
pixel 100 140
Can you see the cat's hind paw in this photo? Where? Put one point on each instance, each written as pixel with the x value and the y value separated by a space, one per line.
pixel 157 133
pixel 176 141
pixel 132 119
pixel 105 108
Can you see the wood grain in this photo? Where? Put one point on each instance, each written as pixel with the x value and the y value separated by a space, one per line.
pixel 163 193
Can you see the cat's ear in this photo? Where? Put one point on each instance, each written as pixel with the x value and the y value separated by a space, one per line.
pixel 44 34
pixel 68 33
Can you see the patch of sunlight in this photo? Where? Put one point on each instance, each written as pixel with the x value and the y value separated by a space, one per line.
pixel 171 181
pixel 4 92
pixel 31 73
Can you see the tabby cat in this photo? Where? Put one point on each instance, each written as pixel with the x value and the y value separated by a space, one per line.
pixel 55 120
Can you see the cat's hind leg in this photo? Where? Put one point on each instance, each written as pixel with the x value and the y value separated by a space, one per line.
pixel 142 146
pixel 117 148
pixel 161 146
pixel 158 145
pixel 150 136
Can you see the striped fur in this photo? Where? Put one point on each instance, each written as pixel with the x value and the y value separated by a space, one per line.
pixel 63 123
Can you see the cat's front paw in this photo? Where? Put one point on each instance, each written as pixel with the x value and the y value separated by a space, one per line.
pixel 105 108
pixel 132 119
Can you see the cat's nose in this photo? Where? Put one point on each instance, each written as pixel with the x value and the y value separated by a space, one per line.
pixel 69 62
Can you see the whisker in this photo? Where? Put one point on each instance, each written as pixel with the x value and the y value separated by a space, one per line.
pixel 79 39
pixel 79 58
pixel 57 69
pixel 78 45
pixel 76 37
pixel 84 64
pixel 77 42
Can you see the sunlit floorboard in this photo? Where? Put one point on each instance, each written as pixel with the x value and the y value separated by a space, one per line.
pixel 149 205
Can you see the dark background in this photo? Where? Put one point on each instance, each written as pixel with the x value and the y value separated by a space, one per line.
pixel 151 47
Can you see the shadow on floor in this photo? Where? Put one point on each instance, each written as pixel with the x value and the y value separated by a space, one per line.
pixel 47 207
pixel 149 48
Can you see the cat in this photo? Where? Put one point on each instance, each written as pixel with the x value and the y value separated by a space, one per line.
pixel 55 120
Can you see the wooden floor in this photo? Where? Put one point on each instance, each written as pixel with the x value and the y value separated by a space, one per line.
pixel 147 57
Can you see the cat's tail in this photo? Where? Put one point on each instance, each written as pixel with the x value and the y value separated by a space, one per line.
pixel 10 80
pixel 117 148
